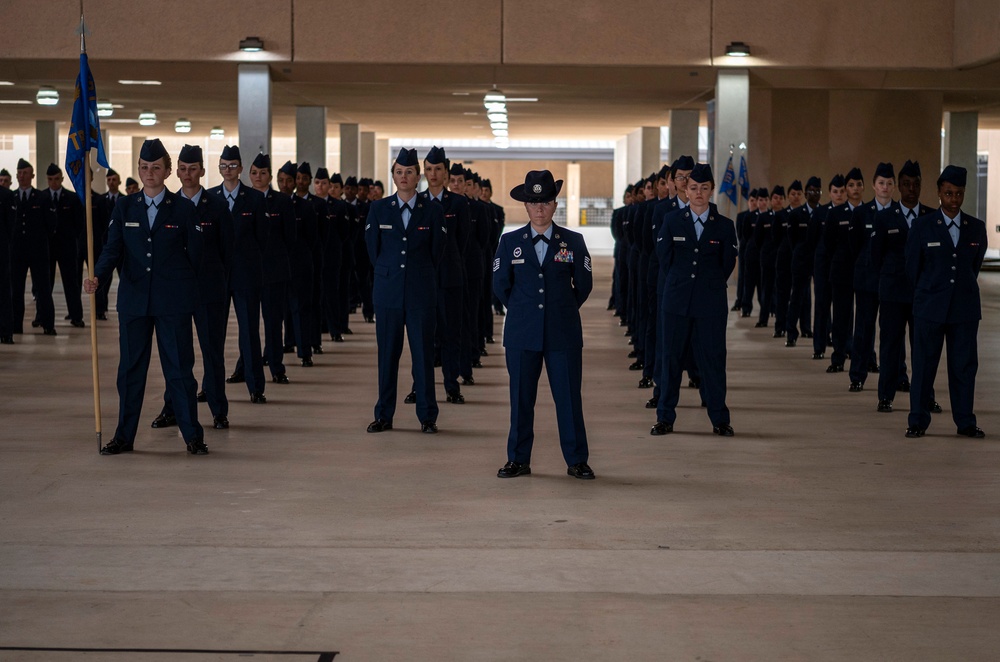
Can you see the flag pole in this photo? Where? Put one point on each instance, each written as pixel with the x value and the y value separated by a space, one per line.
pixel 88 203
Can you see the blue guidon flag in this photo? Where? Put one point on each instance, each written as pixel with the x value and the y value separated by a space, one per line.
pixel 728 189
pixel 744 178
pixel 84 131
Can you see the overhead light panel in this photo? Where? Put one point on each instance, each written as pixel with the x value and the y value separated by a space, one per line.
pixel 47 96
pixel 217 133
pixel 498 125
pixel 182 126
pixel 5 82
pixel 147 118
pixel 15 102
pixel 105 108
pixel 738 49
pixel 140 82
pixel 252 45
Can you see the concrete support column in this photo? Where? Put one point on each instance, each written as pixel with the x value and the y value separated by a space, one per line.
pixel 310 136
pixel 350 150
pixel 643 152
pixel 382 163
pixel 732 111
pixel 572 190
pixel 367 168
pixel 960 146
pixel 46 150
pixel 254 82
pixel 684 133
pixel 621 180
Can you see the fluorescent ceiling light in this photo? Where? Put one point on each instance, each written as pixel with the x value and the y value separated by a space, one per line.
pixel 522 99
pixel 15 102
pixel 182 126
pixel 140 82
pixel 5 82
pixel 217 133
pixel 105 109
pixel 252 44
pixel 497 117
pixel 47 96
pixel 147 118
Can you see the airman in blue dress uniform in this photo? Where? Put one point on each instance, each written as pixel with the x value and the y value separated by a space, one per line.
pixel 542 274
pixel 699 256
pixel 944 253
pixel 155 239
pixel 405 237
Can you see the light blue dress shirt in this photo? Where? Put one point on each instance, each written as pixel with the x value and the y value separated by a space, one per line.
pixel 152 205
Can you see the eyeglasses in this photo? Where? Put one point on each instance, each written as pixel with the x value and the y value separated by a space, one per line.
pixel 228 166
pixel 680 178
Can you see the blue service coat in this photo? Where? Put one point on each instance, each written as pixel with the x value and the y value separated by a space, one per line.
pixel 542 300
pixel 159 265
pixel 246 269
pixel 697 269
pixel 405 261
pixel 945 276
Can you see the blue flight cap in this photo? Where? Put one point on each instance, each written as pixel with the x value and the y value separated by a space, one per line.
pixel 152 150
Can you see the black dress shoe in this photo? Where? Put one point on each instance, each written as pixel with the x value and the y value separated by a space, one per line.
pixel 35 324
pixel 651 403
pixel 935 408
pixel 778 334
pixel 307 363
pixel 437 363
pixel 724 430
pixel 258 399
pixel 197 447
pixel 102 316
pixel 164 421
pixel 369 319
pixel 632 354
pixel 904 386
pixel 379 425
pixel 477 364
pixel 337 337
pixel 236 378
pixel 636 366
pixel 490 341
pixel 835 367
pixel 661 428
pixel 280 379
pixel 67 318
pixel 818 356
pixel 972 431
pixel 646 382
pixel 6 340
pixel 913 432
pixel 288 349
pixel 201 397
pixel 456 398
pixel 790 342
pixel 735 308
pixel 483 352
pixel 856 387
pixel 411 398
pixel 318 349
pixel 807 334
pixel 220 422
pixel 581 471
pixel 348 332
pixel 884 406
pixel 116 446
pixel 745 315
pixel 78 323
pixel 49 332
pixel 760 325
pixel 429 427
pixel 468 381
pixel 514 469
pixel 694 383
pixel 622 322
pixel 873 368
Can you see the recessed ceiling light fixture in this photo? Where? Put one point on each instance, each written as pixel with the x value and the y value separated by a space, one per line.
pixel 217 133
pixel 252 44
pixel 47 96
pixel 182 126
pixel 738 49
pixel 147 118
pixel 105 108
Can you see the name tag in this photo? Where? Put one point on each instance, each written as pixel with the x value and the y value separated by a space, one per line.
pixel 933 244
pixel 844 223
pixel 893 231
pixel 131 225
pixel 868 225
pixel 385 227
pixel 521 261
pixel 680 238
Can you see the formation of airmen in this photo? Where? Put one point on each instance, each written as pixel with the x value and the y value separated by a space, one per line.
pixel 831 273
pixel 293 256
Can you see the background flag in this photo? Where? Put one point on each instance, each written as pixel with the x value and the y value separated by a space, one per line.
pixel 728 189
pixel 744 179
pixel 84 131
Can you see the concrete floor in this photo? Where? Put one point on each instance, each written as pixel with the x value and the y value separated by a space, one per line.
pixel 817 533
